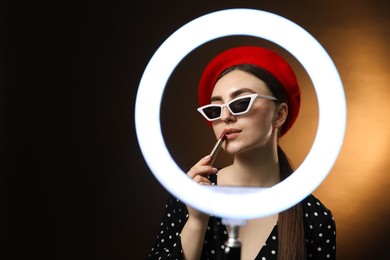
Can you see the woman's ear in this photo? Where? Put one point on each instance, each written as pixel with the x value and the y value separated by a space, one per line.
pixel 280 115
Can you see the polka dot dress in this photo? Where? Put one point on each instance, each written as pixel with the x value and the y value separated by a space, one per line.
pixel 319 225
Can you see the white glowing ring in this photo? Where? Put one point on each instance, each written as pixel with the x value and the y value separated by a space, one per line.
pixel 255 203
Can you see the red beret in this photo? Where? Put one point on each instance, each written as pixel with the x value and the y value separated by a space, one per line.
pixel 264 58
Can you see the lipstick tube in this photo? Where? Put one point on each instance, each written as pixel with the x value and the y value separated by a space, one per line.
pixel 217 147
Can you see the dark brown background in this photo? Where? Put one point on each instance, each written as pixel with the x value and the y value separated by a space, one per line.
pixel 75 182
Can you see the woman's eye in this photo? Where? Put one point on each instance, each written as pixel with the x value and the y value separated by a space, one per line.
pixel 240 105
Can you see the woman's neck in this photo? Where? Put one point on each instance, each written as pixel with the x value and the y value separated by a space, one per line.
pixel 257 168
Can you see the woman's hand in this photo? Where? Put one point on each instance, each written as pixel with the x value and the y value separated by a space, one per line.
pixel 199 173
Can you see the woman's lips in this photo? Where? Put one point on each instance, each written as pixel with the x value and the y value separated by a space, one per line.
pixel 232 133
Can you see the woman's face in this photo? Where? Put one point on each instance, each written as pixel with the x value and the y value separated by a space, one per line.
pixel 251 130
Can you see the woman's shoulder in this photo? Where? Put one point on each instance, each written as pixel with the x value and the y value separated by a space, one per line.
pixel 317 217
pixel 313 206
pixel 315 210
pixel 320 229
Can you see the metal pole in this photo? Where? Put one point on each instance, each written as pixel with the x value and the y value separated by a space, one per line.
pixel 233 244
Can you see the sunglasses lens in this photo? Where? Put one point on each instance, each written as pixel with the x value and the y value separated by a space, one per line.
pixel 240 105
pixel 212 112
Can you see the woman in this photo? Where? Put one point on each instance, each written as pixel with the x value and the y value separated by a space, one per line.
pixel 252 94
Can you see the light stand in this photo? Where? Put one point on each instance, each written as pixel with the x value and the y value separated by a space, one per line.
pixel 233 243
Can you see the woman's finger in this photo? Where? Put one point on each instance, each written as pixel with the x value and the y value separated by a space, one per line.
pixel 201 179
pixel 202 168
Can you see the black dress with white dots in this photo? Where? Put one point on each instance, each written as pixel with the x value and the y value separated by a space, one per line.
pixel 319 225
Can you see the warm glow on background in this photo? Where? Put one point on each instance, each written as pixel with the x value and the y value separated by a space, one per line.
pixel 357 188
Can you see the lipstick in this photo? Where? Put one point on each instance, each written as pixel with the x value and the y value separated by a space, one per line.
pixel 217 147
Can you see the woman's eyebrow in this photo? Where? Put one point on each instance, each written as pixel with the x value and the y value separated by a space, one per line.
pixel 241 91
pixel 215 98
pixel 234 94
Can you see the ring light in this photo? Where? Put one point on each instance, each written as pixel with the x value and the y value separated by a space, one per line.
pixel 235 202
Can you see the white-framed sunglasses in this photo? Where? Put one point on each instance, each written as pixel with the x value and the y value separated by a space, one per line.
pixel 237 106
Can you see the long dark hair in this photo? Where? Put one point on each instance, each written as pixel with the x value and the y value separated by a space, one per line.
pixel 290 222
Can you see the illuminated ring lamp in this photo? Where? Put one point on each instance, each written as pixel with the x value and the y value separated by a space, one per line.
pixel 240 203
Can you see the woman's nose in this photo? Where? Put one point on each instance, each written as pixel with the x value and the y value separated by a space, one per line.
pixel 227 115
